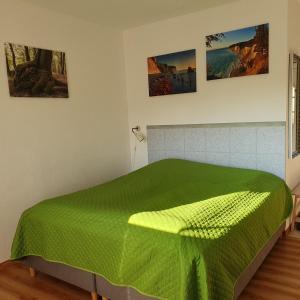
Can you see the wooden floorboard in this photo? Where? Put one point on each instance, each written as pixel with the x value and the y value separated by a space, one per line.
pixel 279 276
pixel 277 279
pixel 16 284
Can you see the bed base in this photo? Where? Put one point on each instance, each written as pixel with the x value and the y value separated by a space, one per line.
pixel 79 278
pixel 94 294
pixel 249 272
pixel 98 285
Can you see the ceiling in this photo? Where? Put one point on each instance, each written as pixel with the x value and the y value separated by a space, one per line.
pixel 126 13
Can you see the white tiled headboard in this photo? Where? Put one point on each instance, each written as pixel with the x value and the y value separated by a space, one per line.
pixel 258 146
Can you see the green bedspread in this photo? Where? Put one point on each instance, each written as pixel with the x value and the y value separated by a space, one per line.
pixel 174 229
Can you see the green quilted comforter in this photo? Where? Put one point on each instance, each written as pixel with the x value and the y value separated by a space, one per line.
pixel 173 230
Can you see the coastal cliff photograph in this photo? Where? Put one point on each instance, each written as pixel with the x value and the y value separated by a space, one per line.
pixel 35 72
pixel 173 73
pixel 238 53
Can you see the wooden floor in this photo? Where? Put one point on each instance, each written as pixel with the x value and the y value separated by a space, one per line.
pixel 16 284
pixel 279 276
pixel 277 279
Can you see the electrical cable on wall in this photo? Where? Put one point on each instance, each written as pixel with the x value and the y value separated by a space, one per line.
pixel 140 137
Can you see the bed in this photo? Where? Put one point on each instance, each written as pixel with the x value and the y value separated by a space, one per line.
pixel 174 229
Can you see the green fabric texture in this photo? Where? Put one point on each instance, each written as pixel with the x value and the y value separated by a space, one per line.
pixel 174 229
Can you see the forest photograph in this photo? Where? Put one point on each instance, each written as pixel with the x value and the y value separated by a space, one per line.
pixel 35 72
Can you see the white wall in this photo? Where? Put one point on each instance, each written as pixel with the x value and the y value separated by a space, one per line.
pixel 248 99
pixel 53 146
pixel 293 165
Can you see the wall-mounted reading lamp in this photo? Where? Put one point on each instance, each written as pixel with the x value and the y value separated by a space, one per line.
pixel 138 134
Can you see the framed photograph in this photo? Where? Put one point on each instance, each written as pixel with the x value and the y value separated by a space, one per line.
pixel 173 73
pixel 35 72
pixel 237 53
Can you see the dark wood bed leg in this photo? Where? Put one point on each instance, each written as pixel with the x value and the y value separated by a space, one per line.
pixel 285 233
pixel 94 295
pixel 32 272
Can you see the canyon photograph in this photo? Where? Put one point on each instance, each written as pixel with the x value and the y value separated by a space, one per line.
pixel 35 72
pixel 173 73
pixel 238 53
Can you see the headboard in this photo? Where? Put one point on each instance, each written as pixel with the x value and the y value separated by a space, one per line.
pixel 259 146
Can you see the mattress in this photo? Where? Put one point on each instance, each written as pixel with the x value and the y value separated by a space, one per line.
pixel 174 229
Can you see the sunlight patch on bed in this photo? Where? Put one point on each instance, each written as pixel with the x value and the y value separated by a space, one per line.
pixel 207 219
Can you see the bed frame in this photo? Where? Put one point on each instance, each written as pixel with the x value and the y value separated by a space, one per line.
pixel 97 285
